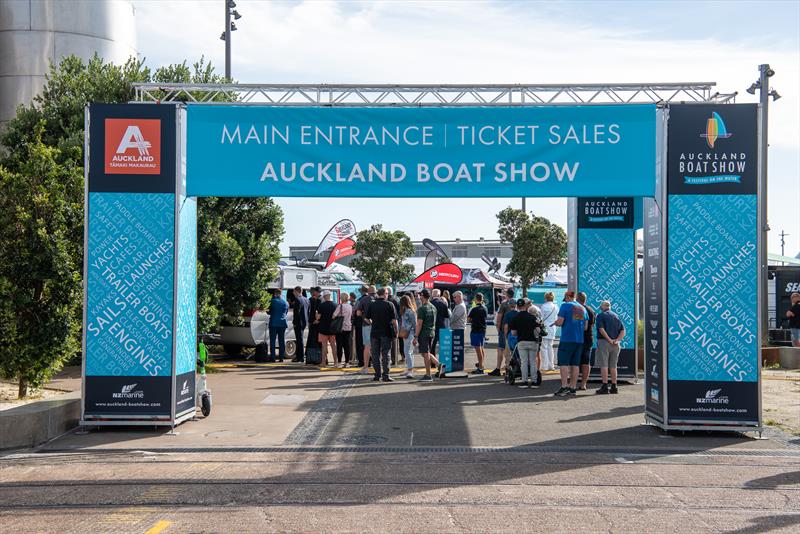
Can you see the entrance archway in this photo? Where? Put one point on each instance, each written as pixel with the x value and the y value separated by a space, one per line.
pixel 693 163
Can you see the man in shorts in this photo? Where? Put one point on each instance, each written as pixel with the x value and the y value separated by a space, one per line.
pixel 426 329
pixel 572 320
pixel 477 320
pixel 610 332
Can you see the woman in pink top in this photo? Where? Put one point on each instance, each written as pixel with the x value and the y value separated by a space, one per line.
pixel 344 338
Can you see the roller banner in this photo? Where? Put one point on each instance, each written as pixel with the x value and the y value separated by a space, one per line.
pixel 444 273
pixel 712 255
pixel 342 249
pixel 607 267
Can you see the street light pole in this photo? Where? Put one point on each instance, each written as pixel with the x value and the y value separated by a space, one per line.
pixel 227 40
pixel 765 72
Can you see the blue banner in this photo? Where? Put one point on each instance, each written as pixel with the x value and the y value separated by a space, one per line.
pixel 446 349
pixel 130 285
pixel 712 288
pixel 607 271
pixel 556 151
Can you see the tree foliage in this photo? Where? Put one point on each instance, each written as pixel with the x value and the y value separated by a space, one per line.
pixel 43 144
pixel 40 263
pixel 537 244
pixel 238 257
pixel 380 255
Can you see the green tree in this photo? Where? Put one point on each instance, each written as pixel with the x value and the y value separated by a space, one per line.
pixel 537 244
pixel 237 238
pixel 238 257
pixel 40 263
pixel 380 255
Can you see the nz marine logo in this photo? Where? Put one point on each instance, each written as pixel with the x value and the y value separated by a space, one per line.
pixel 128 392
pixel 185 388
pixel 713 397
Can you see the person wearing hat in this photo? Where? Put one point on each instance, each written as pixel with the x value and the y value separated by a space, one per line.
pixel 501 339
pixel 527 327
pixel 365 331
pixel 326 335
pixel 426 329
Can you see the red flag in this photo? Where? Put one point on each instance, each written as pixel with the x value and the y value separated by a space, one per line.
pixel 444 273
pixel 342 249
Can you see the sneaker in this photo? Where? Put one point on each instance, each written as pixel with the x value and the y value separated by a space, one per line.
pixel 363 371
pixel 582 387
pixel 496 372
pixel 530 383
pixel 571 392
pixel 387 379
pixel 376 379
pixel 603 390
pixel 613 389
pixel 426 378
pixel 477 371
pixel 409 375
pixel 562 392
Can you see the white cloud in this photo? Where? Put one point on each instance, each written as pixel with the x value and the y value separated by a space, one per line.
pixel 477 42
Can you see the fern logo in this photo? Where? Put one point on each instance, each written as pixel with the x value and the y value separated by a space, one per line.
pixel 128 392
pixel 713 397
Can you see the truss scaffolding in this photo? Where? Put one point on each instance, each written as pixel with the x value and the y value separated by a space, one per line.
pixel 430 95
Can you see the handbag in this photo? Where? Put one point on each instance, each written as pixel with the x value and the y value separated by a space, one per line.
pixel 403 333
pixel 337 323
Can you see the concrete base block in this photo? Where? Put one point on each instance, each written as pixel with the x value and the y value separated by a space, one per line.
pixel 789 357
pixel 32 424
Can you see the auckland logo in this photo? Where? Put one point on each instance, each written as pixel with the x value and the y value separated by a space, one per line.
pixel 128 392
pixel 715 129
pixel 713 397
pixel 133 146
pixel 133 138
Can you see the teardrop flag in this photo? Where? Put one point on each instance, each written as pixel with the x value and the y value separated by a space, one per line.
pixel 444 273
pixel 339 231
pixel 342 249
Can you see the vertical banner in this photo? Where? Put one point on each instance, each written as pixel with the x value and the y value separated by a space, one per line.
pixel 186 300
pixel 458 350
pixel 653 282
pixel 446 349
pixel 129 263
pixel 606 266
pixel 712 246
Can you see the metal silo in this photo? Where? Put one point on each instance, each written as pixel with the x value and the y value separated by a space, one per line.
pixel 34 33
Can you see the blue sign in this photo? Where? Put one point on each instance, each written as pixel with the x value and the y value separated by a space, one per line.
pixel 130 284
pixel 555 151
pixel 607 271
pixel 446 349
pixel 712 288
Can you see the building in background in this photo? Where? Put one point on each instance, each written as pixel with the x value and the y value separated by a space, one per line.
pixel 36 33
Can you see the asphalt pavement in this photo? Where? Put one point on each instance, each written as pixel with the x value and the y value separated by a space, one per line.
pixel 293 449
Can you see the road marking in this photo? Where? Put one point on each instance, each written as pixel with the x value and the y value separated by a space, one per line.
pixel 158 527
pixel 412 440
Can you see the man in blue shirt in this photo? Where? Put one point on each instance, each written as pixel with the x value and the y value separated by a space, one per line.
pixel 610 333
pixel 278 309
pixel 572 320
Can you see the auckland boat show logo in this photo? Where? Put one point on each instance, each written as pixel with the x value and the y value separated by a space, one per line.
pixel 715 129
pixel 133 146
pixel 129 392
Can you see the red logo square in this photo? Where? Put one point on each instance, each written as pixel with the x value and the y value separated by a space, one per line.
pixel 133 146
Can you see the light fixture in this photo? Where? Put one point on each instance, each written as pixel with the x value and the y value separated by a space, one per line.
pixel 774 94
pixel 233 26
pixel 222 36
pixel 231 4
pixel 236 14
pixel 753 87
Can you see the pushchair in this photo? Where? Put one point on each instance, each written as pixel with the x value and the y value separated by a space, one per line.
pixel 514 367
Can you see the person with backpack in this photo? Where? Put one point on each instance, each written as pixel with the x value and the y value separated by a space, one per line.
pixel 549 313
pixel 383 318
pixel 528 329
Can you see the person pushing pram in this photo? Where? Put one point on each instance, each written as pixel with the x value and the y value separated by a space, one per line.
pixel 525 336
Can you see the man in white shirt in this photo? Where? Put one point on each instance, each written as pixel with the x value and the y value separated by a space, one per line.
pixel 458 316
pixel 549 313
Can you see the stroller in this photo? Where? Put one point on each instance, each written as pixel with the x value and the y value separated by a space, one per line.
pixel 514 367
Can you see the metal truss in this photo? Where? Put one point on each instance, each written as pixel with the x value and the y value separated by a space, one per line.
pixel 430 95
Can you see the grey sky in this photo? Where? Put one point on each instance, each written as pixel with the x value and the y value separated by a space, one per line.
pixel 496 42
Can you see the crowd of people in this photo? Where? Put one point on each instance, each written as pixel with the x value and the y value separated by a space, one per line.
pixel 377 329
